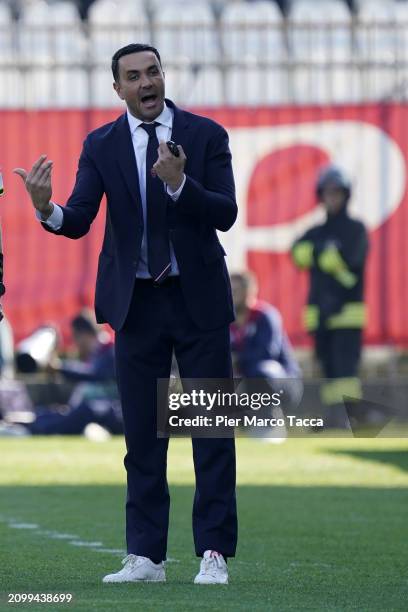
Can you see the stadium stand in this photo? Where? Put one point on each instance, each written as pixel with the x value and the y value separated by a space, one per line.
pixel 187 36
pixel 9 92
pixel 189 45
pixel 253 34
pixel 196 85
pixel 6 48
pixel 375 45
pixel 51 33
pixel 214 51
pixel 401 44
pixel 320 33
pixel 111 26
pixel 51 54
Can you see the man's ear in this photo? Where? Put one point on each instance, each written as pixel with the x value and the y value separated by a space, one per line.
pixel 116 87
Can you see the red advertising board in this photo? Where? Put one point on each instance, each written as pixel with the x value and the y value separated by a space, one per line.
pixel 277 153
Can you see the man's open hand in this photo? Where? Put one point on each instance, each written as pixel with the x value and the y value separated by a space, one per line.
pixel 38 185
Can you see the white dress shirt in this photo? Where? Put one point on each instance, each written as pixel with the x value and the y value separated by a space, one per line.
pixel 139 139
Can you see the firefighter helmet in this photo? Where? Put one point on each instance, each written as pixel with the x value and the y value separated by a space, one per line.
pixel 335 176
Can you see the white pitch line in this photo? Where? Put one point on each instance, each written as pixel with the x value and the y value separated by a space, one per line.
pixel 85 544
pixel 55 535
pixel 112 551
pixel 71 538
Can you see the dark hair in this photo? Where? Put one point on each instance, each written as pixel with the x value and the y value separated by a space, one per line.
pixel 133 48
pixel 84 323
pixel 247 280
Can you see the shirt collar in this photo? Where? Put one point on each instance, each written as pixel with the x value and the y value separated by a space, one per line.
pixel 165 118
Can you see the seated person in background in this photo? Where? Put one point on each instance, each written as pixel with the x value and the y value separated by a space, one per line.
pixel 260 347
pixel 96 359
pixel 95 397
pixel 261 350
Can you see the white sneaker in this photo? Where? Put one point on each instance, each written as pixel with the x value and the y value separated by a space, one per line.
pixel 138 569
pixel 213 569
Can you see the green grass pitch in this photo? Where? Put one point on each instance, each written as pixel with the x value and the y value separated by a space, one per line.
pixel 323 526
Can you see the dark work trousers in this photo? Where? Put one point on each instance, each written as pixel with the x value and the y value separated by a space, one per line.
pixel 338 351
pixel 158 321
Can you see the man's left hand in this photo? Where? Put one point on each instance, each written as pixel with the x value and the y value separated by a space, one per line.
pixel 168 167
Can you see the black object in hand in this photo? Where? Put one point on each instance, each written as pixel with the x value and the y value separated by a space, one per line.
pixel 173 148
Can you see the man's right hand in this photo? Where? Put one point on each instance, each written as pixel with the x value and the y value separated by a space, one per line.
pixel 38 185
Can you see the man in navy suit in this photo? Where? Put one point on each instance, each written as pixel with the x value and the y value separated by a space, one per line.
pixel 162 284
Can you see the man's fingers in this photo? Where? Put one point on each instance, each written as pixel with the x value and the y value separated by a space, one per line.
pixel 36 175
pixel 163 151
pixel 29 175
pixel 21 172
pixel 34 169
pixel 37 164
pixel 42 170
pixel 45 178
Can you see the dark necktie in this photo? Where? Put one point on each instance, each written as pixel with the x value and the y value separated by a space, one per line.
pixel 158 248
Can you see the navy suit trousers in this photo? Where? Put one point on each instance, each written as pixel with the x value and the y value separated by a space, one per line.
pixel 157 324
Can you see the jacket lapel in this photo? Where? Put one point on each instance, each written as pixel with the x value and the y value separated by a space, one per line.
pixel 125 156
pixel 180 134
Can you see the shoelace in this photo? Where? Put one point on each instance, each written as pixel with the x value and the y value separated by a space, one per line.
pixel 211 564
pixel 131 559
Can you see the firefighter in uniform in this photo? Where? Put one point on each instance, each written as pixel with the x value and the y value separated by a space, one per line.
pixel 335 254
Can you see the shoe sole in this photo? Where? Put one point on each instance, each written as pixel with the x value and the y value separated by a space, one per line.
pixel 209 583
pixel 128 581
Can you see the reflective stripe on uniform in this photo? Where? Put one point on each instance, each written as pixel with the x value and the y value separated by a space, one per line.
pixel 311 317
pixel 334 391
pixel 352 315
pixel 346 278
pixel 302 254
pixel 331 262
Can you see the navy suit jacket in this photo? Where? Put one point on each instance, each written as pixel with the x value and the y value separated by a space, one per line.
pixel 107 165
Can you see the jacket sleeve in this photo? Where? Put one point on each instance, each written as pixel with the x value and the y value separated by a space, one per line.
pixel 213 202
pixel 355 252
pixel 83 204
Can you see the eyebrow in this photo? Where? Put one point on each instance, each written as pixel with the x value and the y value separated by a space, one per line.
pixel 134 71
